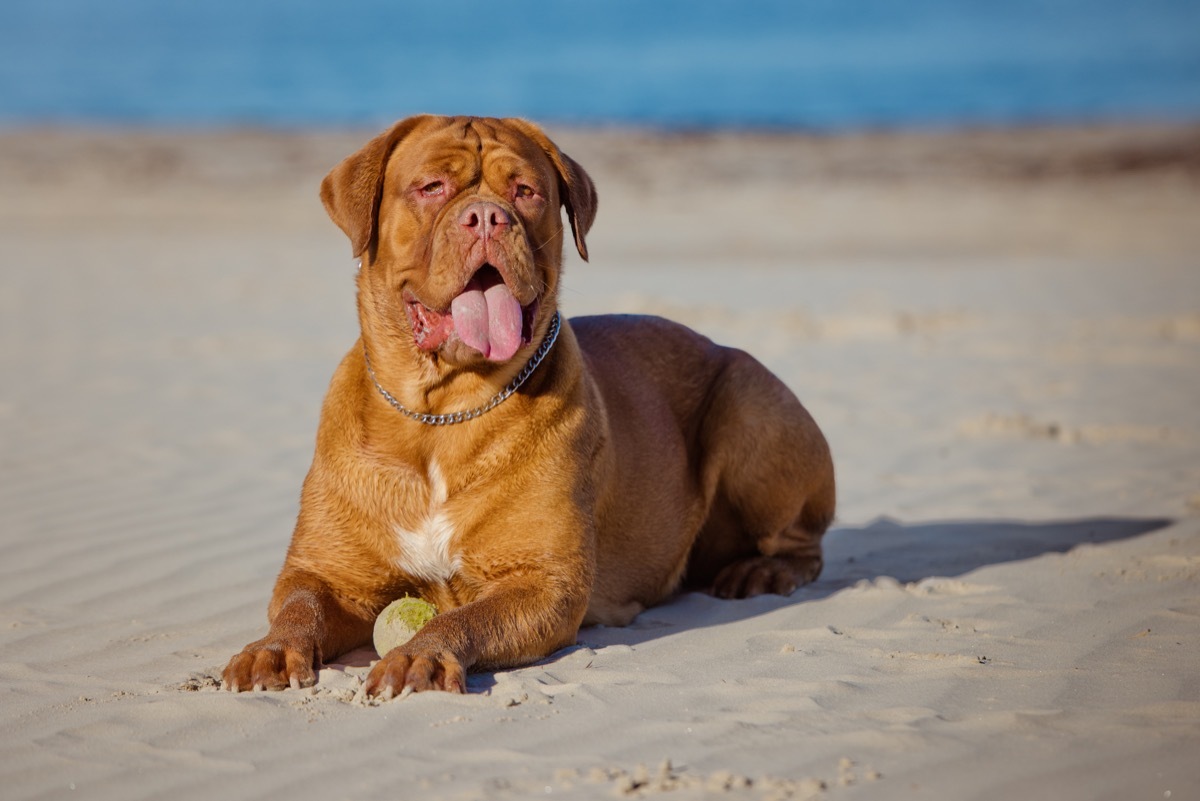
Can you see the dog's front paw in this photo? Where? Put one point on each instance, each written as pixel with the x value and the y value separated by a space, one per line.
pixel 399 671
pixel 271 664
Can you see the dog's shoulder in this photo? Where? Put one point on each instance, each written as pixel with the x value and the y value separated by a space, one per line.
pixel 644 361
pixel 637 331
pixel 341 411
pixel 646 342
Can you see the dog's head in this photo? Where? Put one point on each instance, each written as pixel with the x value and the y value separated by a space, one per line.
pixel 457 223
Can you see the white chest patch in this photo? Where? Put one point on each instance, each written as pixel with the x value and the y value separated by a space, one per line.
pixel 425 549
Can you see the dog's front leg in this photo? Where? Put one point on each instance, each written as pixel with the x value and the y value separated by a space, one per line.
pixel 307 624
pixel 512 625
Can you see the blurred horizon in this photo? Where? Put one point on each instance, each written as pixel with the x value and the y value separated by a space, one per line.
pixel 666 63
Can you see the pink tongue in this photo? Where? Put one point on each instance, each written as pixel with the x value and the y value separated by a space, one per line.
pixel 488 320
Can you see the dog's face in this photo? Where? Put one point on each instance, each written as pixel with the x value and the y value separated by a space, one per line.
pixel 458 226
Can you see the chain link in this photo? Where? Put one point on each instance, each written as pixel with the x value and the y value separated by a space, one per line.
pixel 471 414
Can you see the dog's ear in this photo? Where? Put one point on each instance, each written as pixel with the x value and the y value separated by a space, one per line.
pixel 352 190
pixel 576 187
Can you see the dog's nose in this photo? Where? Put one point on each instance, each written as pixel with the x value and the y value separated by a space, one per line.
pixel 484 219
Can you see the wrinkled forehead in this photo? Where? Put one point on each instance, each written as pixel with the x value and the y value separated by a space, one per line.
pixel 467 147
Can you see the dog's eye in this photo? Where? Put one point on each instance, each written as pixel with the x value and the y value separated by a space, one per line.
pixel 433 189
pixel 524 190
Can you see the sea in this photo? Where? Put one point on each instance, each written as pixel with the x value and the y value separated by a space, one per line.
pixel 823 65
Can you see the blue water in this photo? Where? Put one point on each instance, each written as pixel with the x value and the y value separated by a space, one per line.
pixel 824 64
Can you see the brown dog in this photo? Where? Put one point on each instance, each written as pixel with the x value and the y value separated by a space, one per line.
pixel 634 457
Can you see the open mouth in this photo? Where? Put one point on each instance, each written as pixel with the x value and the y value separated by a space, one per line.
pixel 485 316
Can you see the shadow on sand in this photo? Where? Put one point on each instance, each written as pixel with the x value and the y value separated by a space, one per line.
pixel 907 552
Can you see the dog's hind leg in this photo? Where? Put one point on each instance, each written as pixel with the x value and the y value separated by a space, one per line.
pixel 768 475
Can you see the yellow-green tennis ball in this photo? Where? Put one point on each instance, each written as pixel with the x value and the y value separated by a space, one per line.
pixel 399 621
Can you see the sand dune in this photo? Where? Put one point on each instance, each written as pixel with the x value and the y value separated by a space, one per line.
pixel 998 331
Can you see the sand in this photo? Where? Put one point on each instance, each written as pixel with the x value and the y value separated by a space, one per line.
pixel 999 332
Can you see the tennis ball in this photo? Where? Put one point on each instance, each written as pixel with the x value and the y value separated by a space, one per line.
pixel 399 621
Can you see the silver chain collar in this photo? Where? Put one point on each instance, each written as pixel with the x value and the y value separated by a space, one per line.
pixel 471 414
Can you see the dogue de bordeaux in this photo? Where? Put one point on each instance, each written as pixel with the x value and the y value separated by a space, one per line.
pixel 525 473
